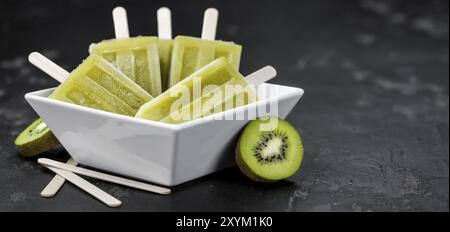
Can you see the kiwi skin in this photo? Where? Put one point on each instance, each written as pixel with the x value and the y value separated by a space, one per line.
pixel 42 144
pixel 30 150
pixel 248 171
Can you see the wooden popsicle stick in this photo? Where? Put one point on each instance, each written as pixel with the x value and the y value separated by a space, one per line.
pixel 88 187
pixel 48 66
pixel 59 74
pixel 56 183
pixel 120 23
pixel 262 75
pixel 105 177
pixel 210 24
pixel 164 23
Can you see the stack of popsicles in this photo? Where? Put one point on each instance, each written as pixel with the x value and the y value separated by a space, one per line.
pixel 127 75
pixel 145 76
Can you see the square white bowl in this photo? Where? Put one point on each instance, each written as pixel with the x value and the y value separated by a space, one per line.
pixel 153 151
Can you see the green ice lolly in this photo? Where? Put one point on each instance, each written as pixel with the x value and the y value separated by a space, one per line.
pixel 214 78
pixel 240 98
pixel 190 54
pixel 165 47
pixel 136 57
pixel 97 84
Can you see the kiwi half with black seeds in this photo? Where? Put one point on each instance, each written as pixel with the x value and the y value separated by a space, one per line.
pixel 35 139
pixel 269 153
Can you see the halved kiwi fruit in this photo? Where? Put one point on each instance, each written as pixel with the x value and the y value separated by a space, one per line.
pixel 269 149
pixel 35 139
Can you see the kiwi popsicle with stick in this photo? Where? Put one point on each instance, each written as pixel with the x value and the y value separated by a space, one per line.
pixel 95 84
pixel 214 79
pixel 136 57
pixel 126 53
pixel 190 53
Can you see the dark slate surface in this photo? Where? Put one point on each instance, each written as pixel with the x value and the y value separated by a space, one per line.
pixel 375 117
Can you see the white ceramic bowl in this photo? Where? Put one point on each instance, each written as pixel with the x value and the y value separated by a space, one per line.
pixel 152 151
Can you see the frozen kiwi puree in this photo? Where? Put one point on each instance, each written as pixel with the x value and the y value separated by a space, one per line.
pixel 99 85
pixel 181 103
pixel 165 47
pixel 190 54
pixel 136 57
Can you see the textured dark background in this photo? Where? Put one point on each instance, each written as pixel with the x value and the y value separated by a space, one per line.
pixel 374 119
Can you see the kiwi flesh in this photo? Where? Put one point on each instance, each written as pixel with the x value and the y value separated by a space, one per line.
pixel 269 155
pixel 35 139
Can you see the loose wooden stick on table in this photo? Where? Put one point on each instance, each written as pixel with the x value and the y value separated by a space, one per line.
pixel 103 176
pixel 60 75
pixel 88 187
pixel 56 183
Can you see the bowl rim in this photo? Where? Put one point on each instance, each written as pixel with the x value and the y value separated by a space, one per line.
pixel 41 95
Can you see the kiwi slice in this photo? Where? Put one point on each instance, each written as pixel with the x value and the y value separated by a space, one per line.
pixel 35 139
pixel 269 149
